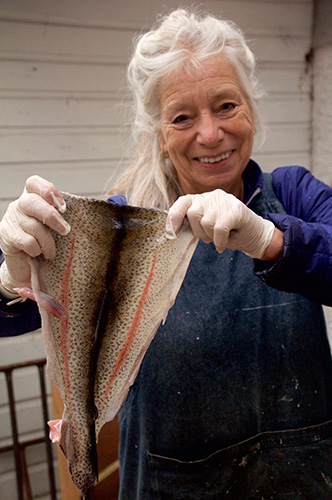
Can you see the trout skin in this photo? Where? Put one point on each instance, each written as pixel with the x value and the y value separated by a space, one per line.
pixel 143 286
pixel 116 275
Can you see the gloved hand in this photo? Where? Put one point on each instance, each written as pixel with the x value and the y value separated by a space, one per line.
pixel 220 217
pixel 24 231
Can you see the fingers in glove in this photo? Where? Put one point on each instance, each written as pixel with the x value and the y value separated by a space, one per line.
pixel 176 215
pixel 36 239
pixel 201 215
pixel 33 205
pixel 27 235
pixel 47 190
pixel 201 220
pixel 207 223
pixel 222 234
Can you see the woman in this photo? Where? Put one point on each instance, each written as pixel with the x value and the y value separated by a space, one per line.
pixel 233 396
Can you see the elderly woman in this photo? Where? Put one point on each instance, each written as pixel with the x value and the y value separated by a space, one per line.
pixel 233 398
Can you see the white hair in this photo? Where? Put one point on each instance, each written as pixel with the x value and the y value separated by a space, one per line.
pixel 182 39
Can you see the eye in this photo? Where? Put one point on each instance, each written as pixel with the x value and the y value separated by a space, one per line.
pixel 227 107
pixel 180 119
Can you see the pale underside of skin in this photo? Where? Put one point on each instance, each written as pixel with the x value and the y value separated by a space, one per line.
pixel 116 275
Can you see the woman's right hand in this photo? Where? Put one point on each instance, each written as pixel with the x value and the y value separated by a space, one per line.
pixel 24 230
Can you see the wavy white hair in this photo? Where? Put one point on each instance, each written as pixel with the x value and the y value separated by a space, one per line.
pixel 182 39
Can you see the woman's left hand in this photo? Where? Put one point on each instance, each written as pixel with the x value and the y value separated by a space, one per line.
pixel 222 218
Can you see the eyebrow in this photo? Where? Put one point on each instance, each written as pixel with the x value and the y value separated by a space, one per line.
pixel 227 93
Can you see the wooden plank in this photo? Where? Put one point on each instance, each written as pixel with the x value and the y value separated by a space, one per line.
pixel 83 178
pixel 22 40
pixel 35 111
pixel 287 138
pixel 279 48
pixel 69 80
pixel 60 77
pixel 293 15
pixel 268 162
pixel 285 80
pixel 64 144
pixel 278 109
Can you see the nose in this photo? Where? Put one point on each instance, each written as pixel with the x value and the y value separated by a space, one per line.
pixel 210 131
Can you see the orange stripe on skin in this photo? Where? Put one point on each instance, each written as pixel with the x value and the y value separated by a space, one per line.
pixel 64 326
pixel 132 331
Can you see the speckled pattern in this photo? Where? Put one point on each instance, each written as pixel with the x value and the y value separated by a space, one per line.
pixel 117 276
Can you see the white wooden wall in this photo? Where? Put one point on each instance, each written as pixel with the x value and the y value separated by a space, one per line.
pixel 62 82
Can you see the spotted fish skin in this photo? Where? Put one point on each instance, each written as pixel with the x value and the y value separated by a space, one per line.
pixel 116 275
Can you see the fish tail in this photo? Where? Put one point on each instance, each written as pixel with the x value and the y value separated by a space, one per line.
pixel 78 443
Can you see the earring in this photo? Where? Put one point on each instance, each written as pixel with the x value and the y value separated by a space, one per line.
pixel 165 155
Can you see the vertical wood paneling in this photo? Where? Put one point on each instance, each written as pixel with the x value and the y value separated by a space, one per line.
pixel 62 90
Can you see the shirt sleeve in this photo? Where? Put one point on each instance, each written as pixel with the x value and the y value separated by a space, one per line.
pixel 14 322
pixel 306 264
pixel 18 318
pixel 118 198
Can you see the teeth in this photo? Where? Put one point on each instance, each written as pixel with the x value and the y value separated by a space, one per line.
pixel 216 158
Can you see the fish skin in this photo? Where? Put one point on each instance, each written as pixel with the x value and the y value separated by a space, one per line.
pixel 117 275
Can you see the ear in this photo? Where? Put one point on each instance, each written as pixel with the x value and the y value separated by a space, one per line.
pixel 162 142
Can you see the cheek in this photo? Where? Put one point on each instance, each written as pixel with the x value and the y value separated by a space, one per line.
pixel 247 146
pixel 177 143
pixel 246 124
pixel 245 131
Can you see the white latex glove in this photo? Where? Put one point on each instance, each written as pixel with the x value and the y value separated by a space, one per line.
pixel 24 231
pixel 220 217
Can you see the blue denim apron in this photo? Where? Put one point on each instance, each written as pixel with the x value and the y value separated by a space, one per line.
pixel 234 396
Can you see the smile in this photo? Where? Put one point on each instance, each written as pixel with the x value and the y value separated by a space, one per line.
pixel 215 159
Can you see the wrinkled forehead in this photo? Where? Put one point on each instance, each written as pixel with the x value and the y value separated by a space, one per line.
pixel 212 77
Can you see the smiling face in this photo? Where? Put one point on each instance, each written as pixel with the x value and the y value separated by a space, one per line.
pixel 206 127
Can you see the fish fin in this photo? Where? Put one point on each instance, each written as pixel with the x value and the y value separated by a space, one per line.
pixel 45 300
pixel 25 292
pixel 55 430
